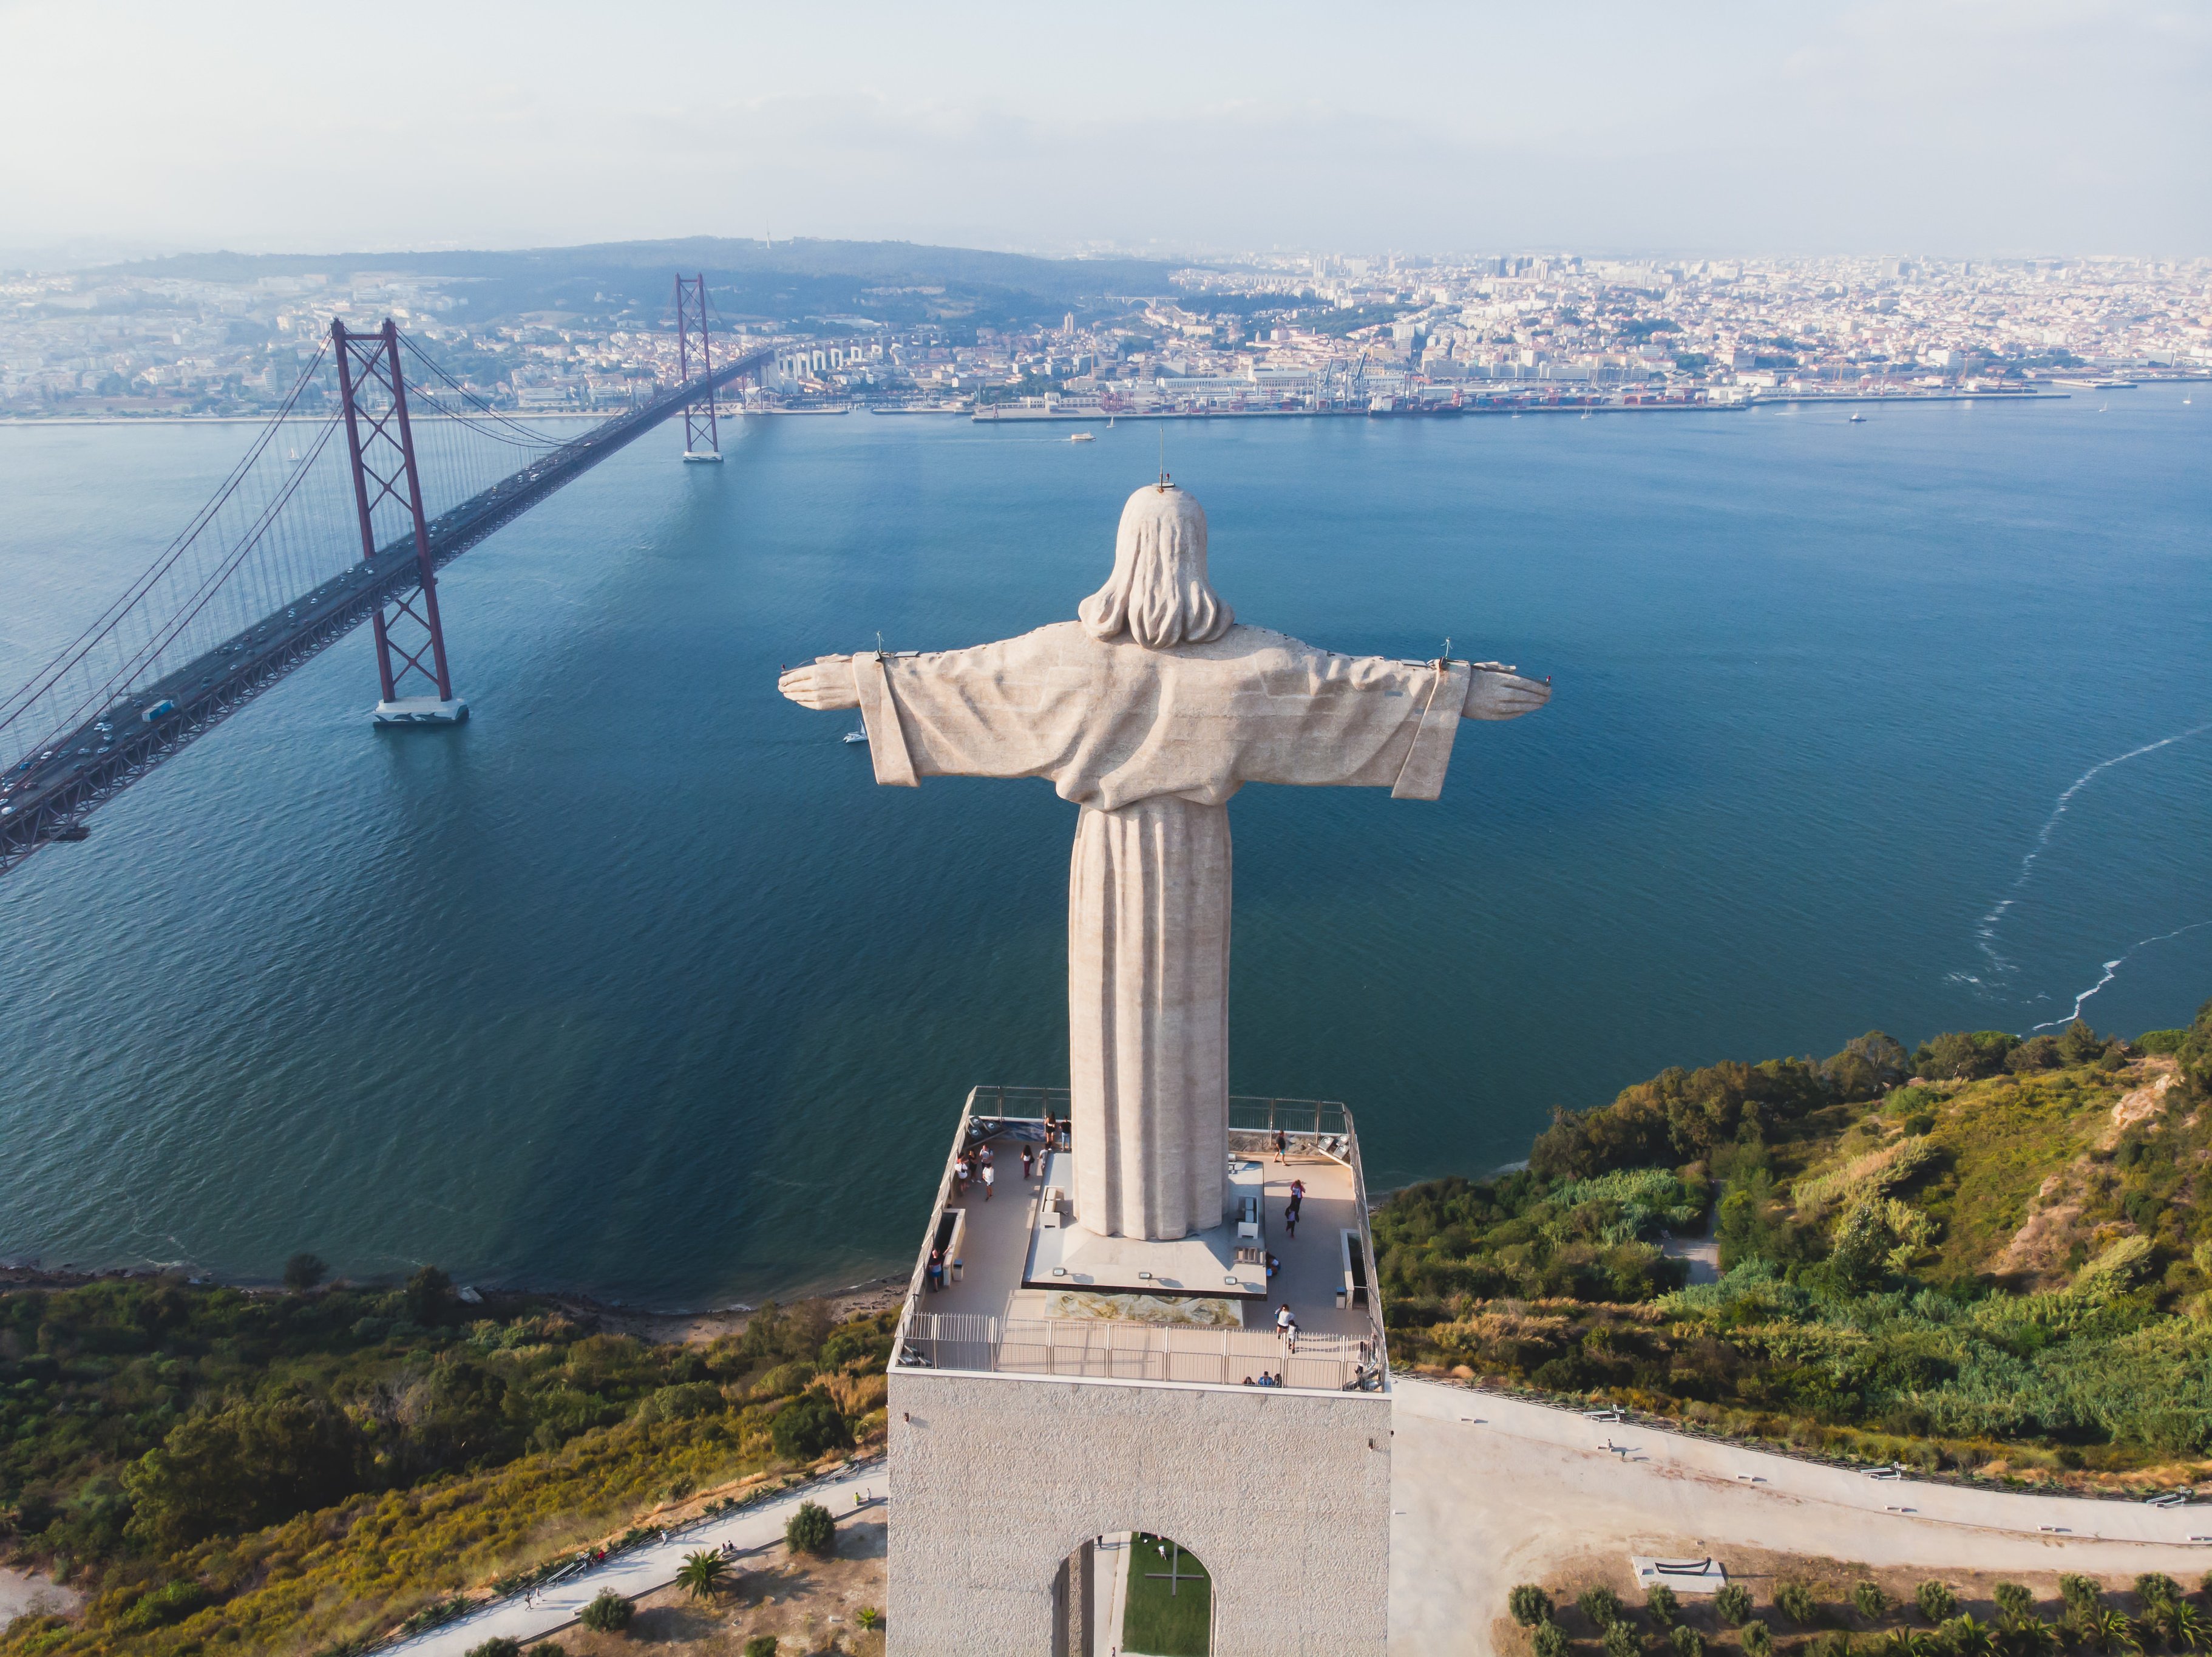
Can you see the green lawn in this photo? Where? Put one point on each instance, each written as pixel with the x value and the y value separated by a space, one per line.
pixel 1160 1624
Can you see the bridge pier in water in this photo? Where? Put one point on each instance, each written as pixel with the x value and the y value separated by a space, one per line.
pixel 381 446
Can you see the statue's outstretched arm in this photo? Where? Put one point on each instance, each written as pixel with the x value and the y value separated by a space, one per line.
pixel 827 682
pixel 1493 691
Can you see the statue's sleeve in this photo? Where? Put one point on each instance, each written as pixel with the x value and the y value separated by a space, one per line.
pixel 992 711
pixel 1358 722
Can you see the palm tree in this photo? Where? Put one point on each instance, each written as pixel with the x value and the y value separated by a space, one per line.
pixel 2030 1636
pixel 701 1574
pixel 2103 1627
pixel 1969 1638
pixel 2184 1625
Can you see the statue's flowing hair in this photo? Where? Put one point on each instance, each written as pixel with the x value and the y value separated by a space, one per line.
pixel 1158 594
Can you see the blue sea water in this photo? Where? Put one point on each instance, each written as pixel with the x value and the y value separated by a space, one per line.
pixel 637 984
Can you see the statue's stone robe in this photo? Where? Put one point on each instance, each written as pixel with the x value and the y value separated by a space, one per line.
pixel 1152 744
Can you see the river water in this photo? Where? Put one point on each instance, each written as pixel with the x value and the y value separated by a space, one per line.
pixel 637 984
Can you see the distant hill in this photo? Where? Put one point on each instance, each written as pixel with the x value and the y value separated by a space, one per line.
pixel 879 280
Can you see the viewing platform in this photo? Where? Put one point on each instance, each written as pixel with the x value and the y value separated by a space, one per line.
pixel 1025 1289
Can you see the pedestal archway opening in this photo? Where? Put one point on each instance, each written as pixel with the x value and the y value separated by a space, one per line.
pixel 1133 1593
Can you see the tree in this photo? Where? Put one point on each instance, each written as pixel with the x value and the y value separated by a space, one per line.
pixel 1869 1067
pixel 1868 1600
pixel 1937 1601
pixel 1795 1601
pixel 2013 1601
pixel 1686 1641
pixel 1967 1637
pixel 1552 1641
pixel 610 1613
pixel 430 1294
pixel 303 1271
pixel 1621 1641
pixel 1732 1602
pixel 811 1530
pixel 242 1467
pixel 1758 1640
pixel 499 1645
pixel 1660 1601
pixel 702 1573
pixel 761 1645
pixel 1530 1605
pixel 1602 1606
pixel 810 1426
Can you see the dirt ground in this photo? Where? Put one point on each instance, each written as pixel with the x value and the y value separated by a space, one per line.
pixel 811 1606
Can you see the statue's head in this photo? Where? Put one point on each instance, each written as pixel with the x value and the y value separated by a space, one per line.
pixel 1158 595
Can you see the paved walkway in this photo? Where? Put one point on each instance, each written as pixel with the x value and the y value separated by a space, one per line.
pixel 756 1526
pixel 1488 1491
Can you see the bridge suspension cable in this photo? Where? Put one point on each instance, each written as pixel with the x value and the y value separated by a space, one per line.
pixel 369 478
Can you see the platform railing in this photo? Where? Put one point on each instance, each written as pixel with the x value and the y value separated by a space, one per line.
pixel 1102 1349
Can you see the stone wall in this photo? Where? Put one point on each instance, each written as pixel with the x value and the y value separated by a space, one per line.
pixel 1284 1497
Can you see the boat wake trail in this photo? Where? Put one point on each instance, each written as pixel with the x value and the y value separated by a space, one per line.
pixel 2112 970
pixel 1985 929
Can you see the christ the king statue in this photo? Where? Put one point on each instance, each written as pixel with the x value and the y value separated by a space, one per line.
pixel 1149 712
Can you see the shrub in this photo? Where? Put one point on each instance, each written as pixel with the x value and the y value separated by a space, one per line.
pixel 608 1614
pixel 1552 1641
pixel 1732 1602
pixel 1530 1605
pixel 499 1645
pixel 2157 1588
pixel 2013 1601
pixel 761 1645
pixel 548 1648
pixel 2082 1595
pixel 303 1271
pixel 1686 1641
pixel 1621 1641
pixel 1602 1606
pixel 1795 1600
pixel 1868 1600
pixel 1834 1643
pixel 810 1426
pixel 1661 1603
pixel 1936 1602
pixel 811 1530
pixel 870 1617
pixel 1758 1640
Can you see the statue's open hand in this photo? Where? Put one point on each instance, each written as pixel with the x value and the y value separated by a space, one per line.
pixel 1496 692
pixel 827 682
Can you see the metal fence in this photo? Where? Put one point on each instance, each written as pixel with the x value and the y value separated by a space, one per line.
pixel 1104 1350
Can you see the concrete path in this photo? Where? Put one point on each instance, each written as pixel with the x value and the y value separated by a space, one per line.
pixel 641 1570
pixel 1489 1491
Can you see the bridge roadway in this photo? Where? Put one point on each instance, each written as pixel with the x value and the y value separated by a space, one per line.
pixel 45 795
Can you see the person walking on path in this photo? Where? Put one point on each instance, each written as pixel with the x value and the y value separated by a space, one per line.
pixel 1291 1222
pixel 1026 1161
pixel 1282 1146
pixel 990 1178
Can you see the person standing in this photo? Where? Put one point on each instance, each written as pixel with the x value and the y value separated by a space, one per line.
pixel 1282 1146
pixel 990 1178
pixel 1025 1162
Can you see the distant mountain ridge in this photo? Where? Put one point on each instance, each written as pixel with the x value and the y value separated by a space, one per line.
pixel 798 277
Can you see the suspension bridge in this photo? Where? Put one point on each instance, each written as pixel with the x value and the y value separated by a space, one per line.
pixel 379 470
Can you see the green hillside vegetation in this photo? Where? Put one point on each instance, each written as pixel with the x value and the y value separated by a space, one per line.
pixel 1988 1254
pixel 296 1472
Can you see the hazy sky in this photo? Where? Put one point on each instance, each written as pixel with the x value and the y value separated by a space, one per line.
pixel 1906 125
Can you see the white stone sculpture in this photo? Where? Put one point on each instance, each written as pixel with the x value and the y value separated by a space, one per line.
pixel 1149 711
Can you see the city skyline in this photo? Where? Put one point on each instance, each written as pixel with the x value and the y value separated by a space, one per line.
pixel 1961 129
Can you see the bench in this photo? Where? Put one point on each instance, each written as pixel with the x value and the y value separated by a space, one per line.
pixel 1353 1257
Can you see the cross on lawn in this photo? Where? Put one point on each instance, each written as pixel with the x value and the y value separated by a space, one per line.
pixel 1175 1564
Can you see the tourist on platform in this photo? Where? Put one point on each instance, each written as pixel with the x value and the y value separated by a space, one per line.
pixel 936 1270
pixel 1297 1195
pixel 960 1173
pixel 1291 1220
pixel 1026 1161
pixel 1274 1265
pixel 1282 1146
pixel 1248 1380
pixel 990 1178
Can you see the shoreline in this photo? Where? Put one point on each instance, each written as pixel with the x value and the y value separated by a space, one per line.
pixel 657 1326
